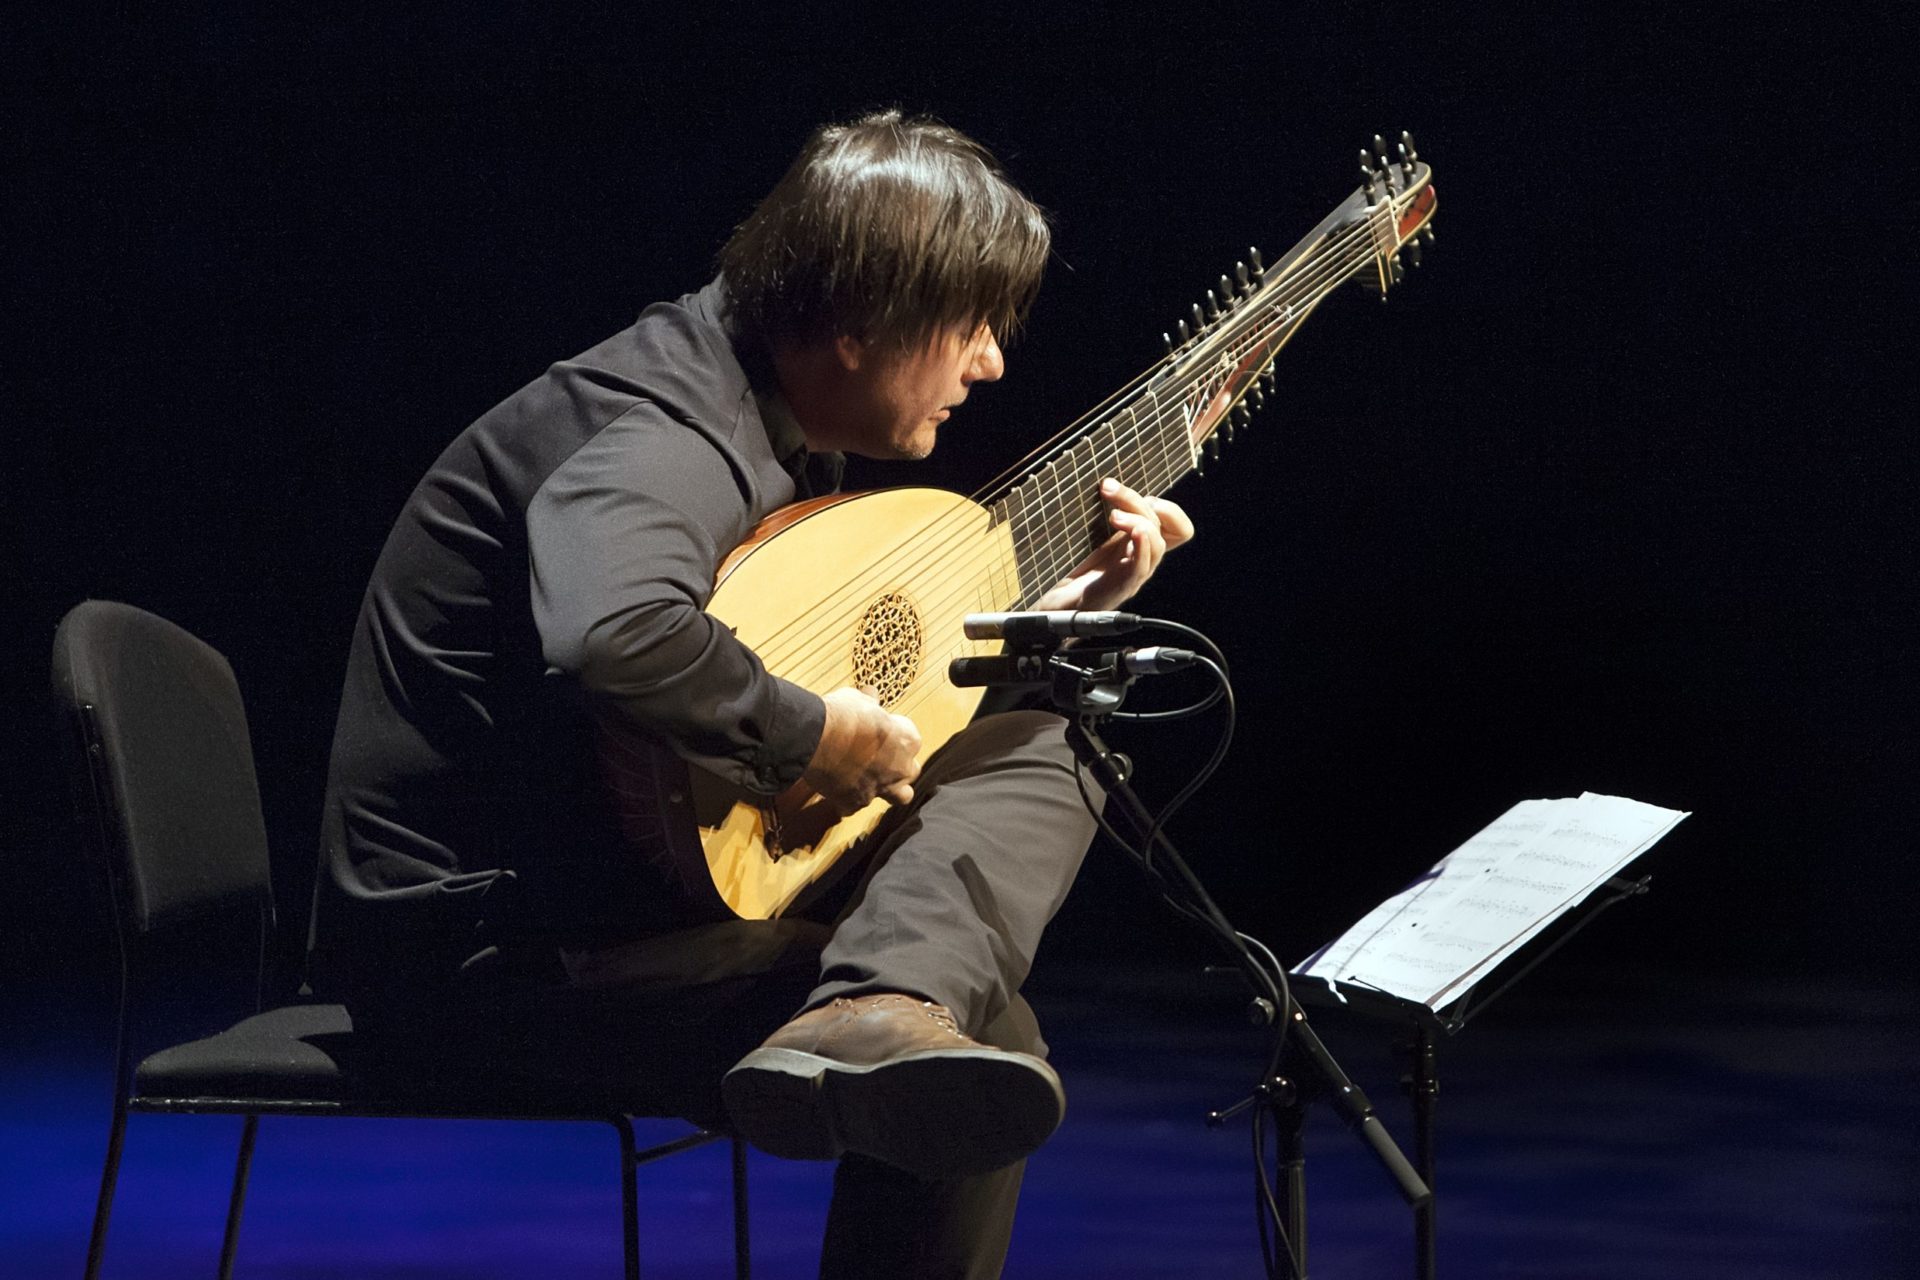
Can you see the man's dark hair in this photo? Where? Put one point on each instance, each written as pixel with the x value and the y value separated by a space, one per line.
pixel 888 229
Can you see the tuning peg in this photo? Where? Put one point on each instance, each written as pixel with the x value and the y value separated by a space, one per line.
pixel 1406 161
pixel 1413 250
pixel 1166 340
pixel 1406 145
pixel 1213 307
pixel 1226 293
pixel 1259 396
pixel 1246 281
pixel 1380 152
pixel 1259 267
pixel 1426 233
pixel 1184 335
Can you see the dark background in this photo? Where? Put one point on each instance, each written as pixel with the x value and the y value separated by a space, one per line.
pixel 1609 496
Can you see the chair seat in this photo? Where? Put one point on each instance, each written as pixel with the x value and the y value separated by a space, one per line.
pixel 291 1052
pixel 308 1057
pixel 311 1057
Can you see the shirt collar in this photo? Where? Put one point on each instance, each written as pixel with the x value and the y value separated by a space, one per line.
pixel 783 429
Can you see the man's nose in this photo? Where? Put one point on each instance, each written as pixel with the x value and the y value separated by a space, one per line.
pixel 988 362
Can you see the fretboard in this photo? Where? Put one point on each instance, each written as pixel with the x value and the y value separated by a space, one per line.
pixel 1057 515
pixel 1149 440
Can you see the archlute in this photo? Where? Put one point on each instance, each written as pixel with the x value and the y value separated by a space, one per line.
pixel 870 588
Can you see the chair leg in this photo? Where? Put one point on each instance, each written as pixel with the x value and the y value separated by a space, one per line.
pixel 109 1176
pixel 629 1194
pixel 742 1251
pixel 242 1168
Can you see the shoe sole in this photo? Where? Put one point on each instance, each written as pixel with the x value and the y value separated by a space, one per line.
pixel 938 1114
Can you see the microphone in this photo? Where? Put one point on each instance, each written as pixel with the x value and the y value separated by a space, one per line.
pixel 1024 627
pixel 1010 670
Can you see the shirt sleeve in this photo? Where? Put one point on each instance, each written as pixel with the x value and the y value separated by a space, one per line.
pixel 624 539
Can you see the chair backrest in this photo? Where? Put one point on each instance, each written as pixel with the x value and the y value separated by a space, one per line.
pixel 165 757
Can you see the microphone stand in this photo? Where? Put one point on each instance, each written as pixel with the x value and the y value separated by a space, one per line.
pixel 1300 1070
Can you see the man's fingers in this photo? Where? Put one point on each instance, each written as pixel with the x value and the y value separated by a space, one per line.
pixel 1170 518
pixel 898 793
pixel 1175 524
pixel 1139 526
pixel 910 767
pixel 1121 496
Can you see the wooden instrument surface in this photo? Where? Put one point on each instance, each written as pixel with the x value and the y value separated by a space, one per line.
pixel 862 589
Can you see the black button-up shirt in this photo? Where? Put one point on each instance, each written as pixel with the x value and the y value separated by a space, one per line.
pixel 549 571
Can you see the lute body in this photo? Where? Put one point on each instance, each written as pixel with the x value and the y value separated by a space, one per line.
pixel 861 589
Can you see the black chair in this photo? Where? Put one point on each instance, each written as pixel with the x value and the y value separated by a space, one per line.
pixel 163 771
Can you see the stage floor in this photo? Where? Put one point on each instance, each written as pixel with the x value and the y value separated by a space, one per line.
pixel 1652 1129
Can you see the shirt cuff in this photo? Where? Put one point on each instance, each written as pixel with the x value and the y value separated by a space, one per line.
pixel 798 720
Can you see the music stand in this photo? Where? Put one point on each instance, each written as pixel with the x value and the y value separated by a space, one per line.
pixel 1421 1079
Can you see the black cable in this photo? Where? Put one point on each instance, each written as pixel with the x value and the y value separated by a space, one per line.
pixel 1185 793
pixel 1263 1204
pixel 1266 1209
pixel 1266 1206
pixel 1133 855
pixel 1189 899
pixel 1178 713
pixel 1142 854
pixel 1279 973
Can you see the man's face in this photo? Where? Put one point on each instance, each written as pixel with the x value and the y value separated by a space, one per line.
pixel 894 401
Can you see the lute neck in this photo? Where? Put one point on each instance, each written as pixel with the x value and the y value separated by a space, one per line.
pixel 1152 432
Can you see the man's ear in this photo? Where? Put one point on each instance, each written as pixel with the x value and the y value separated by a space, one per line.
pixel 849 350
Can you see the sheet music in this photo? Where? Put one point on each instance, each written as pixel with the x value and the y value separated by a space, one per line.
pixel 1430 941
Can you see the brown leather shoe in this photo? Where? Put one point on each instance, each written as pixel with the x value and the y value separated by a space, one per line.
pixel 891 1077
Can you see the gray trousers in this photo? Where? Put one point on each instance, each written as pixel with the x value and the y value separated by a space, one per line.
pixel 946 900
pixel 950 906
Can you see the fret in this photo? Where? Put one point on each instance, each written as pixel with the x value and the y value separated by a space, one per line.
pixel 1107 460
pixel 1108 457
pixel 1005 593
pixel 1023 517
pixel 1055 489
pixel 1169 425
pixel 1132 467
pixel 1148 465
pixel 1083 505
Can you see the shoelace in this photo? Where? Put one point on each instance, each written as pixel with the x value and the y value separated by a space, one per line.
pixel 940 1014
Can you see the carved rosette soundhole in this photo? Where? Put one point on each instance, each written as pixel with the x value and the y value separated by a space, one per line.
pixel 887 646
